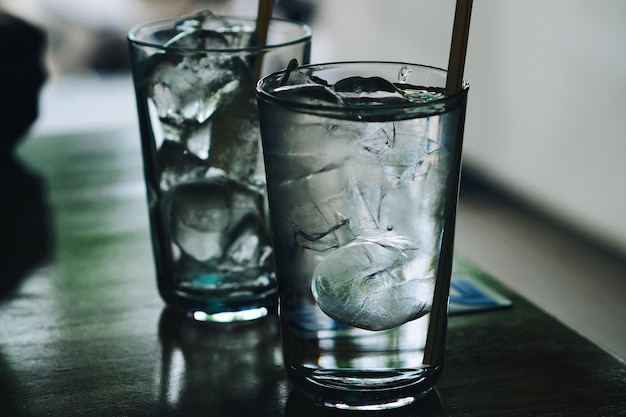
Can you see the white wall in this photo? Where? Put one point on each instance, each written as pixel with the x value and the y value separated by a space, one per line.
pixel 547 106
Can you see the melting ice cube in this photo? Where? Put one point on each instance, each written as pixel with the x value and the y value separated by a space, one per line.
pixel 215 216
pixel 314 94
pixel 204 30
pixel 364 284
pixel 200 214
pixel 189 92
pixel 177 165
pixel 235 136
pixel 368 90
pixel 249 247
pixel 188 85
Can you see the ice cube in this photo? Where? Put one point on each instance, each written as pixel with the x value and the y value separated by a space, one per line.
pixel 365 85
pixel 188 93
pixel 313 94
pixel 197 39
pixel 364 284
pixel 416 178
pixel 210 216
pixel 177 165
pixel 294 76
pixel 312 230
pixel 320 220
pixel 187 86
pixel 376 137
pixel 369 91
pixel 235 136
pixel 245 249
pixel 311 225
pixel 249 245
pixel 185 99
pixel 292 160
pixel 300 87
pixel 197 141
pixel 200 214
pixel 204 30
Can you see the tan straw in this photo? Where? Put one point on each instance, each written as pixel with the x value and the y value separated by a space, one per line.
pixel 458 47
pixel 439 312
pixel 264 16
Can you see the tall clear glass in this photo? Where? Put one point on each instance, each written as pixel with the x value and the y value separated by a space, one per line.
pixel 362 163
pixel 194 80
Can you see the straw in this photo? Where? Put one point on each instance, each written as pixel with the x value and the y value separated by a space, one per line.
pixel 458 47
pixel 439 311
pixel 262 24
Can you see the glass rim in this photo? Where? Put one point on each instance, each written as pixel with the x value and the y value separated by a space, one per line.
pixel 132 37
pixel 403 110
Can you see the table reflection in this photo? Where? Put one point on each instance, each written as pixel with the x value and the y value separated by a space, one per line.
pixel 232 369
pixel 227 368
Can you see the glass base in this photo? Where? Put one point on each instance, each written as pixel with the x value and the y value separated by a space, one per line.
pixel 222 309
pixel 429 405
pixel 387 405
pixel 229 316
pixel 366 391
pixel 370 401
pixel 203 315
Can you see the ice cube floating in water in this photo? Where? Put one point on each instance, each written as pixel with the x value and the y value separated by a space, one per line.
pixel 364 284
pixel 297 86
pixel 206 31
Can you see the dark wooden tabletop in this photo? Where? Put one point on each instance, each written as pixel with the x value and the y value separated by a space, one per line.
pixel 83 331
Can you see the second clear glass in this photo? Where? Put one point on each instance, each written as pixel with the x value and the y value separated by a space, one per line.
pixel 194 80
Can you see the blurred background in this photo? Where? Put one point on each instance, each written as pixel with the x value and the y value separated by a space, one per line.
pixel 546 124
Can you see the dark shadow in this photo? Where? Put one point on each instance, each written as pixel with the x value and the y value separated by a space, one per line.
pixel 25 222
pixel 12 394
pixel 22 74
pixel 24 219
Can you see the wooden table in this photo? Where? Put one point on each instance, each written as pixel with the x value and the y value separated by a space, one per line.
pixel 83 331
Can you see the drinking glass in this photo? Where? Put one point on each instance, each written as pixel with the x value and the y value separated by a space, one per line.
pixel 194 81
pixel 362 163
